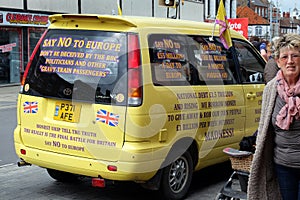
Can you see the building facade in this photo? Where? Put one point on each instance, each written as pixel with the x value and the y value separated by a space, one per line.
pixel 19 32
pixel 267 20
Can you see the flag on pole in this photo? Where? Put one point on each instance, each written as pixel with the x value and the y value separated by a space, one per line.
pixel 119 9
pixel 221 19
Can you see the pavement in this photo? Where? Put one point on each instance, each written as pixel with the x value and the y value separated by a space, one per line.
pixel 9 88
pixel 32 182
pixel 9 95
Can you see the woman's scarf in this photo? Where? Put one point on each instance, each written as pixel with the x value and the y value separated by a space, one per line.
pixel 290 110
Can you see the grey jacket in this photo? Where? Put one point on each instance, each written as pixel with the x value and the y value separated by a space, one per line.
pixel 270 70
pixel 262 183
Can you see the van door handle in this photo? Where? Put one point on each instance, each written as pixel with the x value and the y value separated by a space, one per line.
pixel 251 95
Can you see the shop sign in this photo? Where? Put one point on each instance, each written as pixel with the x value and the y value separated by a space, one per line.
pixel 23 19
pixel 7 47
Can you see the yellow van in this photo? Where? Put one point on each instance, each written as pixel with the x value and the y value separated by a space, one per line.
pixel 135 99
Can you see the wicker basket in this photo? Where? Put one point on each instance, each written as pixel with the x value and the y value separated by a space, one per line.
pixel 241 163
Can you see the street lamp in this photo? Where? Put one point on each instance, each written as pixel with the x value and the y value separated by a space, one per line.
pixel 271 20
pixel 274 28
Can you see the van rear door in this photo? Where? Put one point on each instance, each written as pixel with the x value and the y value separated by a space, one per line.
pixel 75 94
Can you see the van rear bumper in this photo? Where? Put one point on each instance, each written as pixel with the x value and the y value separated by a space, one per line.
pixel 126 171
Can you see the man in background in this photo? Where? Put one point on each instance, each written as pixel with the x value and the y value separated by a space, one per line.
pixel 271 67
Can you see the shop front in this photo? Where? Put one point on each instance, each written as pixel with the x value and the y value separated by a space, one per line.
pixel 19 33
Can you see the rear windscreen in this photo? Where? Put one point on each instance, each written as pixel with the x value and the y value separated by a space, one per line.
pixel 79 65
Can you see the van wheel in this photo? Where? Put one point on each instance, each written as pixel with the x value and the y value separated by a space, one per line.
pixel 64 177
pixel 177 178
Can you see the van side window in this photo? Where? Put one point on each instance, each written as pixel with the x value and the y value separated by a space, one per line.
pixel 189 60
pixel 214 66
pixel 251 65
pixel 169 59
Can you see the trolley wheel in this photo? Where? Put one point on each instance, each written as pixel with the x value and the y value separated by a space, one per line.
pixel 221 196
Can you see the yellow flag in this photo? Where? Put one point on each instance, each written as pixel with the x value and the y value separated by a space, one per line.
pixel 119 10
pixel 221 19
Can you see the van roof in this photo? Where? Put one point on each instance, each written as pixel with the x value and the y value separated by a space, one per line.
pixel 142 22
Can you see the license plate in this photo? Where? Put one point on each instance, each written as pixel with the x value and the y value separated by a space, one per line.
pixel 65 111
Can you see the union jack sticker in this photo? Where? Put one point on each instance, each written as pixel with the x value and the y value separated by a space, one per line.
pixel 107 118
pixel 30 107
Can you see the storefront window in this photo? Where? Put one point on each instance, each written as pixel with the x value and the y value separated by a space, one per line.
pixel 258 30
pixel 34 34
pixel 10 54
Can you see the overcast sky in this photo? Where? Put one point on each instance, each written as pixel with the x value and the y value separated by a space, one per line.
pixel 287 5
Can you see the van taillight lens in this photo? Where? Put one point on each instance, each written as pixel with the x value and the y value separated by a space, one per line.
pixel 31 58
pixel 134 71
pixel 23 151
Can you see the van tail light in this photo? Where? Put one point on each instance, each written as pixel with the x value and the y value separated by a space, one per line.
pixel 134 71
pixel 32 57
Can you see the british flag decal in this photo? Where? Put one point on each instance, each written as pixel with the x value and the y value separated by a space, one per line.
pixel 107 117
pixel 30 107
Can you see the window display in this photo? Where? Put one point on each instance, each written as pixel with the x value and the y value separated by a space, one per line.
pixel 34 34
pixel 10 55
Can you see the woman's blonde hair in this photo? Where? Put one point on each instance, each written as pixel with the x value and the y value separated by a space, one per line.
pixel 289 40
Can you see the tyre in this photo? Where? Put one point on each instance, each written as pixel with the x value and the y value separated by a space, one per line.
pixel 64 177
pixel 177 178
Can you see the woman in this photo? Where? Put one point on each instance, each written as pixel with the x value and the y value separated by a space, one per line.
pixel 275 171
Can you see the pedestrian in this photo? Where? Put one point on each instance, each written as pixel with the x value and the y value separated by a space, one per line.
pixel 271 67
pixel 255 41
pixel 275 169
pixel 263 49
